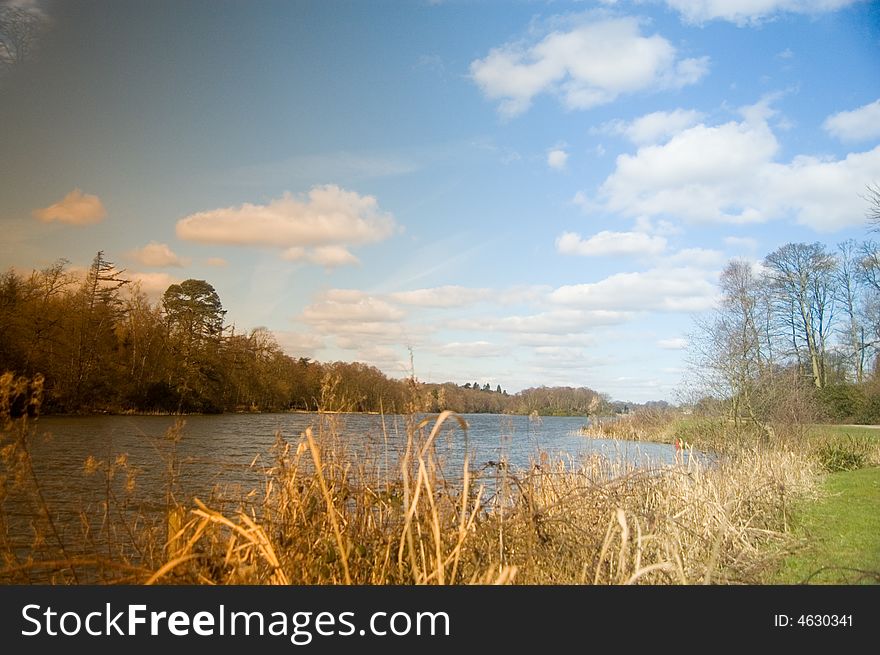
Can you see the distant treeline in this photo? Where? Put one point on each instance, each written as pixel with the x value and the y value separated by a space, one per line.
pixel 102 346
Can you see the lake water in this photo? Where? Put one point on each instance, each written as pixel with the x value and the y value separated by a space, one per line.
pixel 223 457
pixel 231 449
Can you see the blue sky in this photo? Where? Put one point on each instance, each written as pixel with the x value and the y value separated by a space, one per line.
pixel 521 193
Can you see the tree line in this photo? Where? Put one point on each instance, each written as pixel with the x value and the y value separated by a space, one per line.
pixel 101 345
pixel 801 326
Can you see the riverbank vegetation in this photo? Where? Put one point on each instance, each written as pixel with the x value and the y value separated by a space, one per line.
pixel 103 346
pixel 324 516
pixel 793 338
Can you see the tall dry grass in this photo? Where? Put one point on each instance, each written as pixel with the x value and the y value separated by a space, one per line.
pixel 325 516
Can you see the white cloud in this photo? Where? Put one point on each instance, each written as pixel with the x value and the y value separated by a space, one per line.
pixel 727 174
pixel 673 344
pixel 653 128
pixel 318 228
pixel 153 285
pixel 329 256
pixel 589 65
pixel 557 321
pixel 441 297
pixel 157 255
pixel 386 359
pixel 661 227
pixel 358 320
pixel 363 309
pixel 703 258
pixel 610 243
pixel 343 295
pixel 216 262
pixel 557 158
pixel 76 208
pixel 860 124
pixel 544 339
pixel 474 349
pixel 298 344
pixel 744 12
pixel 682 289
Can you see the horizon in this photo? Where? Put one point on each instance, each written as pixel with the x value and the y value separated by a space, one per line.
pixel 523 194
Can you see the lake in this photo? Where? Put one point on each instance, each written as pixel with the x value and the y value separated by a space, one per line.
pixel 223 457
pixel 231 449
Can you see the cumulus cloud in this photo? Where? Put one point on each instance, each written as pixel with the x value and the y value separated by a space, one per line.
pixel 728 174
pixel 660 227
pixel 653 128
pixel 158 255
pixel 319 227
pixel 473 349
pixel 860 124
pixel 328 256
pixel 704 258
pixel 298 344
pixel 153 285
pixel 357 320
pixel 544 339
pixel 362 309
pixel 684 289
pixel 589 65
pixel 557 321
pixel 441 297
pixel 673 344
pixel 557 158
pixel 743 12
pixel 610 243
pixel 76 208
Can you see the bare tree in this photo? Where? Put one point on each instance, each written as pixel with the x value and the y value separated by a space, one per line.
pixel 801 277
pixel 19 26
pixel 872 195
pixel 732 352
pixel 849 283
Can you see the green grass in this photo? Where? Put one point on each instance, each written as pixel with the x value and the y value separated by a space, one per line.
pixel 859 431
pixel 842 532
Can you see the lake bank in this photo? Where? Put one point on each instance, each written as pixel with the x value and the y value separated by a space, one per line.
pixel 312 510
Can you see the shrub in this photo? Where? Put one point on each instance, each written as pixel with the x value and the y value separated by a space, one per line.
pixel 842 402
pixel 844 454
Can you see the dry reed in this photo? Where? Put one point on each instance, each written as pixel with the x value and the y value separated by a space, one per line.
pixel 323 516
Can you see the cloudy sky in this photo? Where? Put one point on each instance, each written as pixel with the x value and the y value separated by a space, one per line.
pixel 520 193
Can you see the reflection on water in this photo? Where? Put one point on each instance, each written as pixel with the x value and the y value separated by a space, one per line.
pixel 234 449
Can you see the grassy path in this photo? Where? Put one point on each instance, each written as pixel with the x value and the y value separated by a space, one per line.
pixel 843 531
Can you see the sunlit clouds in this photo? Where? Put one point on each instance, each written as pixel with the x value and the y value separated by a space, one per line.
pixel 76 208
pixel 158 255
pixel 445 296
pixel 151 284
pixel 320 226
